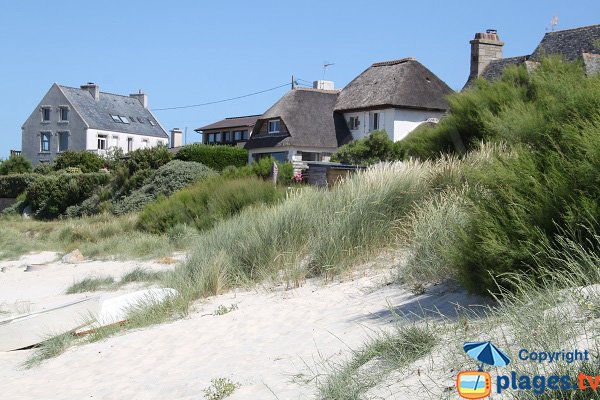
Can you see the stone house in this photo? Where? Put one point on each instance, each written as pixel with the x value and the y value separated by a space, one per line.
pixel 581 43
pixel 85 118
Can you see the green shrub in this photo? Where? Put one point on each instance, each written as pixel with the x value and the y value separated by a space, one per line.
pixel 215 157
pixel 207 202
pixel 13 185
pixel 263 169
pixel 16 164
pixel 84 160
pixel 164 181
pixel 131 172
pixel 150 158
pixel 43 169
pixel 50 196
pixel 372 149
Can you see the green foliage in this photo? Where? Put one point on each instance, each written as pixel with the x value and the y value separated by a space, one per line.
pixel 372 149
pixel 49 196
pixel 43 169
pixel 215 157
pixel 13 185
pixel 150 158
pixel 207 202
pixel 165 181
pixel 220 388
pixel 90 285
pixel 16 164
pixel 84 160
pixel 262 169
pixel 427 142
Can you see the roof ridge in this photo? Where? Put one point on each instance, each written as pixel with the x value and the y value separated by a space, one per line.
pixel 318 90
pixel 574 29
pixel 244 116
pixel 393 62
pixel 101 92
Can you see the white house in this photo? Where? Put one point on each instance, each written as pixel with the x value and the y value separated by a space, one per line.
pixel 84 118
pixel 395 96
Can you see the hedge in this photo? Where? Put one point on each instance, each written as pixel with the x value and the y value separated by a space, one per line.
pixel 215 157
pixel 13 185
pixel 49 196
pixel 84 160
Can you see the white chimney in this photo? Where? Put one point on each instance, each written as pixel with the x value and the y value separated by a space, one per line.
pixel 93 89
pixel 142 97
pixel 323 85
pixel 176 137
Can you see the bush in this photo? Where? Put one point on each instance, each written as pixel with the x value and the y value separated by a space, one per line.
pixel 86 161
pixel 215 157
pixel 131 174
pixel 165 181
pixel 376 147
pixel 16 164
pixel 43 169
pixel 206 202
pixel 50 196
pixel 13 185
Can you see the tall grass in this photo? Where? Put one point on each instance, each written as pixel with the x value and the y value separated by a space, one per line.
pixel 100 237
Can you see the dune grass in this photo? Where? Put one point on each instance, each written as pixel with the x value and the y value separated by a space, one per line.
pixel 369 365
pixel 99 237
pixel 91 284
pixel 50 348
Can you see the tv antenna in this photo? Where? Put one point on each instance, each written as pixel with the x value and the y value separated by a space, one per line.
pixel 553 22
pixel 325 65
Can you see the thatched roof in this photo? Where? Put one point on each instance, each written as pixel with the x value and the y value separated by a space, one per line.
pixel 309 120
pixel 403 83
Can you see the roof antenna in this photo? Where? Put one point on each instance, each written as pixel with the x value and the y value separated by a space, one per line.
pixel 325 65
pixel 553 22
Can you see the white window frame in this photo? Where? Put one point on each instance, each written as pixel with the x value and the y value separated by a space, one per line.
pixel 102 139
pixel 129 144
pixel 273 121
pixel 42 135
pixel 145 143
pixel 114 142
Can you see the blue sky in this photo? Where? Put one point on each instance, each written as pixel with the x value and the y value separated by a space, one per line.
pixel 190 52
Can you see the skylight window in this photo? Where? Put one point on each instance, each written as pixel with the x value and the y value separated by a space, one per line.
pixel 140 120
pixel 151 122
pixel 124 119
pixel 116 118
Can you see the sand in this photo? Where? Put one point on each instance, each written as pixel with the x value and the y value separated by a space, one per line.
pixel 273 344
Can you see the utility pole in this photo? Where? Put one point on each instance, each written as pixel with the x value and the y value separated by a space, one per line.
pixel 185 136
pixel 293 82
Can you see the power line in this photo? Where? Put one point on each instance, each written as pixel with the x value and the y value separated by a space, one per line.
pixel 221 101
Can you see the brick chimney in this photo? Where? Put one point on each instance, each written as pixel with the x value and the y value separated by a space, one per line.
pixel 142 97
pixel 176 138
pixel 485 48
pixel 93 89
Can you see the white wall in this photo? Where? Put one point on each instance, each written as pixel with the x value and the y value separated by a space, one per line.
pixel 397 122
pixel 92 140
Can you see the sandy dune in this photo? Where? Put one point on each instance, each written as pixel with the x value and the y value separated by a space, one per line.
pixel 272 344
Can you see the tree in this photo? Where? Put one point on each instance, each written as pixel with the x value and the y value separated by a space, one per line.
pixel 372 149
pixel 16 164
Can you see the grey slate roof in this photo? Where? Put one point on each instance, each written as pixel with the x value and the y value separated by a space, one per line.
pixel 571 44
pixel 97 114
pixel 309 117
pixel 403 83
pixel 247 121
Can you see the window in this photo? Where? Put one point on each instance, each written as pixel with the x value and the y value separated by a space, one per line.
pixel 115 142
pixel 151 122
pixel 144 143
pixel 132 119
pixel 101 142
pixel 64 114
pixel 375 121
pixel 140 120
pixel 45 141
pixel 124 119
pixel 45 114
pixel 279 156
pixel 353 123
pixel 274 126
pixel 116 118
pixel 129 144
pixel 226 137
pixel 244 135
pixel 63 141
pixel 218 137
pixel 310 156
pixel 211 138
pixel 237 135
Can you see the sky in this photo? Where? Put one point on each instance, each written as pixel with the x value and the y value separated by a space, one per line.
pixel 189 52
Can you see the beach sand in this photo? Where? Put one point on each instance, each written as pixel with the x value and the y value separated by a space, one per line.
pixel 273 344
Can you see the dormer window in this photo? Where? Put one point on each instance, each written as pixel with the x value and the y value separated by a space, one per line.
pixel 64 114
pixel 274 126
pixel 46 114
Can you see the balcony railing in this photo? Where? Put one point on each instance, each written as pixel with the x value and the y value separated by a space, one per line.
pixel 15 153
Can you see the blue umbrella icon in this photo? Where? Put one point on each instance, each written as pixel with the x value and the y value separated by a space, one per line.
pixel 486 353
